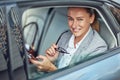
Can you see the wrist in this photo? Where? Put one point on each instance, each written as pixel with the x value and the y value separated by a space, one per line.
pixel 52 68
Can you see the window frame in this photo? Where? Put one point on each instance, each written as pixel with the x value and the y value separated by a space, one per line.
pixel 76 4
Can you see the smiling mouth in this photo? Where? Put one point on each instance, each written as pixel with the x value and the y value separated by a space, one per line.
pixel 76 30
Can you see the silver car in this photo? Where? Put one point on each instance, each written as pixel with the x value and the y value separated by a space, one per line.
pixel 39 23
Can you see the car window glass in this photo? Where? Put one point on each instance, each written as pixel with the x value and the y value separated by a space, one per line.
pixel 116 13
pixel 50 23
pixel 117 1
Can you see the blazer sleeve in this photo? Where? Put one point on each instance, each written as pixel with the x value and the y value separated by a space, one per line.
pixel 96 48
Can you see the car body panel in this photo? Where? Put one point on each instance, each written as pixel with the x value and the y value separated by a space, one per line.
pixel 99 68
pixel 97 71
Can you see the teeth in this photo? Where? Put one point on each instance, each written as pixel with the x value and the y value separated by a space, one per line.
pixel 76 30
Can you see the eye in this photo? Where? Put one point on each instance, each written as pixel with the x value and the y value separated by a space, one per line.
pixel 70 19
pixel 80 19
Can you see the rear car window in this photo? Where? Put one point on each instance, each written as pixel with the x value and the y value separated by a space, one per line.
pixel 116 12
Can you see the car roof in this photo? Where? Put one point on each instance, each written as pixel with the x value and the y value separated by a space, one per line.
pixel 118 1
pixel 31 2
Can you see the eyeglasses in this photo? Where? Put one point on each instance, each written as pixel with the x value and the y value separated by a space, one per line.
pixel 59 49
pixel 62 50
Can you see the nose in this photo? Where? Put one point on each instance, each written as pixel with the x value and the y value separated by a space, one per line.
pixel 74 24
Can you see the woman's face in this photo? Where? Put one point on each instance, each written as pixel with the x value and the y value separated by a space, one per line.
pixel 79 21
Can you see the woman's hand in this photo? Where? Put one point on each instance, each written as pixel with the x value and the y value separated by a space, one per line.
pixel 43 64
pixel 51 53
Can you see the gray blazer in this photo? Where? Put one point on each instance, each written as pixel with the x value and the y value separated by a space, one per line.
pixel 92 45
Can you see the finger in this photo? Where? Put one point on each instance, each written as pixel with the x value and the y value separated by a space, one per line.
pixel 35 62
pixel 53 49
pixel 41 57
pixel 39 68
pixel 48 55
pixel 50 52
pixel 55 46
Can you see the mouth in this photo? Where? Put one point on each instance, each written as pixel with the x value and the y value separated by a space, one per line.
pixel 76 30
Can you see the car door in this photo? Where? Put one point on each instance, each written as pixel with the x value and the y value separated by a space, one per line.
pixel 105 67
pixel 50 24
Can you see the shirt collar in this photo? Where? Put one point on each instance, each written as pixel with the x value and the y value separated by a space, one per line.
pixel 71 41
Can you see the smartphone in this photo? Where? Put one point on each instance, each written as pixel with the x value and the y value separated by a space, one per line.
pixel 30 56
pixel 30 52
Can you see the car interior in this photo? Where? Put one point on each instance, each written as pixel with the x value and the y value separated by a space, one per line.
pixel 51 23
pixel 54 20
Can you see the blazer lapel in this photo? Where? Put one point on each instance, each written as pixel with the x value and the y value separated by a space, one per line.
pixel 77 56
pixel 64 45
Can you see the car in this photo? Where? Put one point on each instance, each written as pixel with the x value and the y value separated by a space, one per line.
pixel 35 24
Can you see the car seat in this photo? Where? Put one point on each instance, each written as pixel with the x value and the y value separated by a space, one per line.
pixel 107 34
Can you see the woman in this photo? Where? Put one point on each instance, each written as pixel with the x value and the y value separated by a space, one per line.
pixel 81 42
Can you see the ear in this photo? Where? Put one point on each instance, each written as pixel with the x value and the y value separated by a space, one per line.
pixel 92 18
